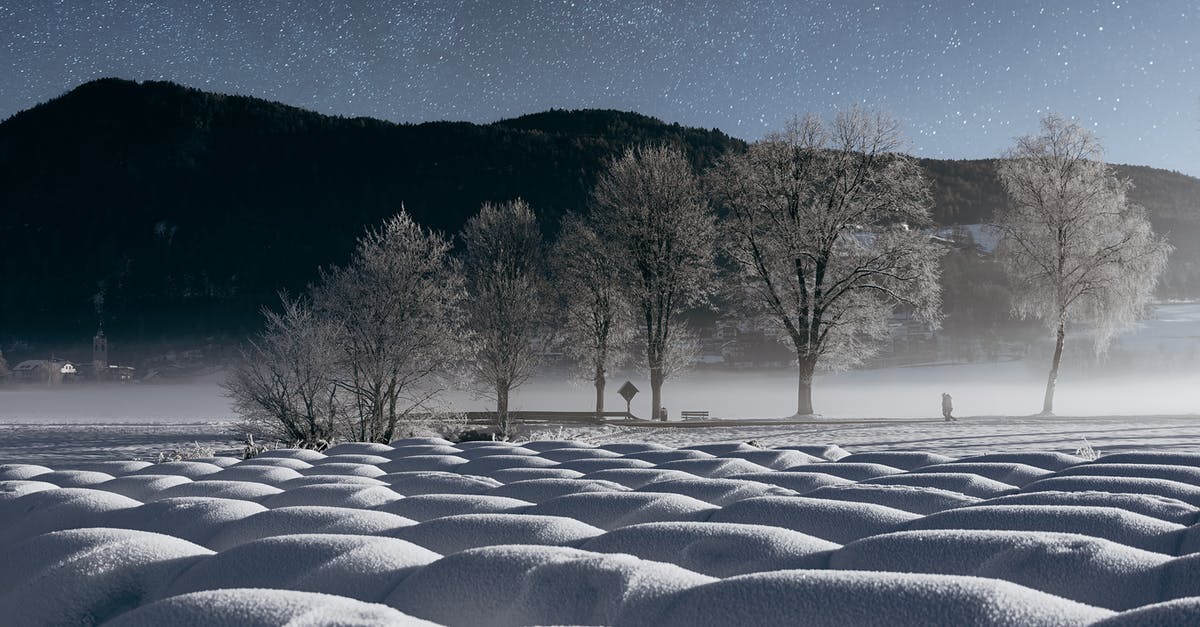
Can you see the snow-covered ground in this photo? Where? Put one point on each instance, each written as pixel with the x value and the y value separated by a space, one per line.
pixel 565 532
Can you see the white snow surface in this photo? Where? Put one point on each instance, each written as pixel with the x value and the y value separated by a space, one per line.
pixel 626 533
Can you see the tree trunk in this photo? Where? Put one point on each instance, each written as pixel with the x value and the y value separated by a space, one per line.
pixel 599 381
pixel 656 381
pixel 502 411
pixel 804 406
pixel 1052 380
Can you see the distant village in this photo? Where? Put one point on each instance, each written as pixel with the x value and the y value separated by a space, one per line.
pixel 58 371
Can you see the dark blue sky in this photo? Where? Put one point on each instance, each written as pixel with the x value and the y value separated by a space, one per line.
pixel 963 77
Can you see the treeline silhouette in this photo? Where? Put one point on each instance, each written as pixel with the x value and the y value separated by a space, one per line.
pixel 163 210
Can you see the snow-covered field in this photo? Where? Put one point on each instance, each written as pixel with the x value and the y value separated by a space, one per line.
pixel 635 533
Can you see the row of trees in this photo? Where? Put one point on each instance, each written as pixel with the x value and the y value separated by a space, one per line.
pixel 823 227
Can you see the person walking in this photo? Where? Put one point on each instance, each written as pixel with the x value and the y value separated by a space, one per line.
pixel 948 408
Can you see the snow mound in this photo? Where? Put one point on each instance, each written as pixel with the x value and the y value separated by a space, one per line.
pixel 302 454
pixel 435 482
pixel 54 510
pixel 634 478
pixel 836 521
pixel 189 469
pixel 610 510
pixel 419 442
pixel 569 454
pixel 796 481
pixel 327 479
pixel 1160 507
pixel 716 549
pixel 243 490
pixel 366 568
pixel 904 460
pixel 340 468
pixel 721 448
pixel 429 506
pixel 1178 613
pixel 491 451
pixel 333 495
pixel 596 464
pixel 75 478
pixel 223 462
pixel 270 475
pixel 115 468
pixel 423 462
pixel 292 520
pixel 484 466
pixel 195 519
pixel 660 456
pixel 85 576
pixel 451 534
pixel 1153 457
pixel 527 585
pixel 962 482
pixel 421 450
pixel 625 448
pixel 1189 494
pixel 915 499
pixel 1046 460
pixel 512 475
pixel 830 452
pixel 346 458
pixel 774 459
pixel 840 598
pixel 539 490
pixel 718 492
pixel 141 487
pixel 1109 523
pixel 1081 568
pixel 1183 474
pixel 19 472
pixel 714 468
pixel 279 462
pixel 13 489
pixel 850 470
pixel 263 608
pixel 1012 473
pixel 358 448
pixel 556 445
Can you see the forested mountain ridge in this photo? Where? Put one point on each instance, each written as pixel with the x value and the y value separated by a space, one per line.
pixel 161 209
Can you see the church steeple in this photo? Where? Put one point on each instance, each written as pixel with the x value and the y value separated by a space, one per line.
pixel 100 353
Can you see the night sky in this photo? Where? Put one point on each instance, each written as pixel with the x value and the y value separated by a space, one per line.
pixel 963 77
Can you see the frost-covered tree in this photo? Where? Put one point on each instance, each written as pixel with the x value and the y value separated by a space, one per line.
pixel 649 209
pixel 508 299
pixel 284 386
pixel 396 306
pixel 824 222
pixel 1075 248
pixel 596 317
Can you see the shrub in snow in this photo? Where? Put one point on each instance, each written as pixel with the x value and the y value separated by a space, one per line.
pixel 291 520
pixel 195 519
pixel 716 549
pixel 841 598
pixel 53 510
pixel 713 468
pixel 853 471
pixel 366 568
pixel 243 490
pixel 1086 452
pixel 429 506
pixel 1081 568
pixel 262 608
pixel 86 576
pixel 333 495
pixel 718 492
pixel 433 482
pixel 1118 525
pixel 476 435
pixel 1185 492
pixel 527 585
pixel 961 482
pixel 836 521
pixel 1039 459
pixel 539 490
pixel 1160 507
pixel 915 499
pixel 610 510
pixel 1012 473
pixel 904 460
pixel 451 534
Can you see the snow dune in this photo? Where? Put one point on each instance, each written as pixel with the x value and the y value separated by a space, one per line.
pixel 424 531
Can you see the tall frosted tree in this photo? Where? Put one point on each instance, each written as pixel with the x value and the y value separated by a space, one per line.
pixel 649 209
pixel 823 221
pixel 508 299
pixel 1075 248
pixel 596 316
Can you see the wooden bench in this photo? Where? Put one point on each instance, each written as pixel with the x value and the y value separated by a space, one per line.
pixel 693 415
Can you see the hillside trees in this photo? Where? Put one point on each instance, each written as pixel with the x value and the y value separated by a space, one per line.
pixel 1075 248
pixel 824 225
pixel 508 299
pixel 372 345
pixel 649 208
pixel 595 314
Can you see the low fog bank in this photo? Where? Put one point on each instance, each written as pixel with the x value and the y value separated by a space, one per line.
pixel 199 402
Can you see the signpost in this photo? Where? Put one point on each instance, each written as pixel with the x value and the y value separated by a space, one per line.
pixel 628 391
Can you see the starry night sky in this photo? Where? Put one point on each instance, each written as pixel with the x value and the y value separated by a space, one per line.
pixel 963 77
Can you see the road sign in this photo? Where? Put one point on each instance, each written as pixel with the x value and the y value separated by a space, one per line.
pixel 628 391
